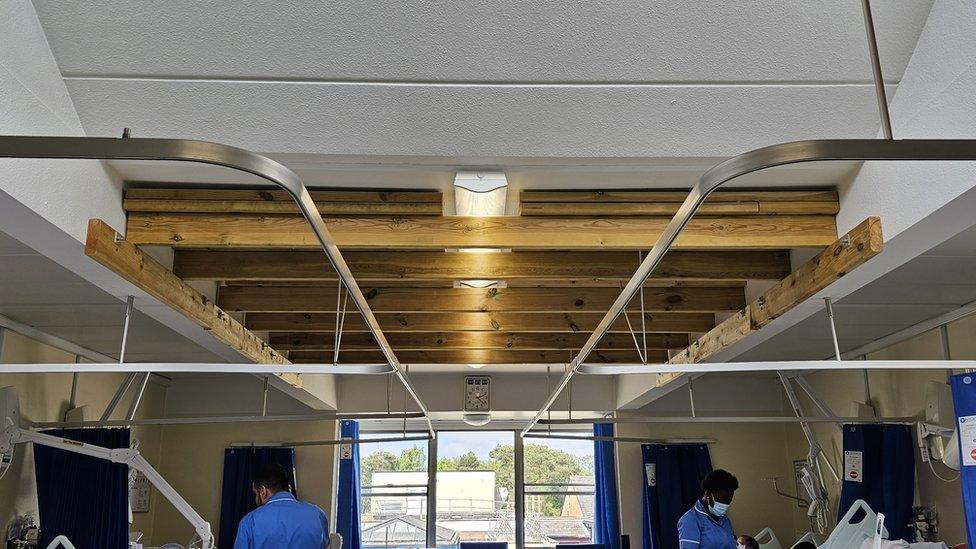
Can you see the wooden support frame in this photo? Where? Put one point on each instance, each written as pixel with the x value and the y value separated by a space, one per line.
pixel 188 230
pixel 479 322
pixel 108 248
pixel 304 299
pixel 850 251
pixel 426 341
pixel 419 265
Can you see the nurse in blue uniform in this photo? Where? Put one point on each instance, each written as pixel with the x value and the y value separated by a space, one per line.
pixel 706 526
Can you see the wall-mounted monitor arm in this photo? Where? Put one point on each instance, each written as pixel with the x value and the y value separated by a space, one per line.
pixel 12 434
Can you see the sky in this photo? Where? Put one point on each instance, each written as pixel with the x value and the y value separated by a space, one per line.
pixel 455 443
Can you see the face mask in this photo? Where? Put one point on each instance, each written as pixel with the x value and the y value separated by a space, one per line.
pixel 740 546
pixel 718 508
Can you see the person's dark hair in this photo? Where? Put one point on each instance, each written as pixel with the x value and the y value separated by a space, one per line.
pixel 272 476
pixel 750 542
pixel 805 545
pixel 719 480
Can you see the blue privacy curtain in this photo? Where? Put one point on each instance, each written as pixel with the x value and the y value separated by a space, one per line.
pixel 885 456
pixel 672 483
pixel 82 497
pixel 964 399
pixel 606 519
pixel 236 497
pixel 347 494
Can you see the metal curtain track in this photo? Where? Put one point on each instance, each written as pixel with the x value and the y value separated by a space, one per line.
pixel 204 152
pixel 759 159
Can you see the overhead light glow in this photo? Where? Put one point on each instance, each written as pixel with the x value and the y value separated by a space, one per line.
pixel 480 194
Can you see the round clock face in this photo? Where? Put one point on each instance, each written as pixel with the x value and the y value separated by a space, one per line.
pixel 476 397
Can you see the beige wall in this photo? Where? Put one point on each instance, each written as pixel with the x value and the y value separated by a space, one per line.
pixel 749 451
pixel 894 393
pixel 45 398
pixel 193 463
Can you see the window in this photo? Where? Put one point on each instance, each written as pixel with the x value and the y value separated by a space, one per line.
pixel 475 486
pixel 393 482
pixel 559 492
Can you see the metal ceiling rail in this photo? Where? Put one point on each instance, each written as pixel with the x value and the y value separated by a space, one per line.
pixel 320 416
pixel 638 440
pixel 334 442
pixel 198 368
pixel 794 366
pixel 107 148
pixel 759 159
pixel 727 419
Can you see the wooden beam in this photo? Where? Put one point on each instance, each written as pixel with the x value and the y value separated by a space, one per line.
pixel 277 231
pixel 850 251
pixel 420 341
pixel 479 322
pixel 276 299
pixel 472 357
pixel 670 208
pixel 627 196
pixel 277 195
pixel 256 207
pixel 129 262
pixel 383 266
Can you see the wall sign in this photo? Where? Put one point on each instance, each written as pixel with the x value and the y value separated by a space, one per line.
pixel 967 440
pixel 853 466
pixel 651 470
pixel 139 494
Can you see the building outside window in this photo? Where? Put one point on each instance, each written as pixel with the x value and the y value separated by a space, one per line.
pixel 475 491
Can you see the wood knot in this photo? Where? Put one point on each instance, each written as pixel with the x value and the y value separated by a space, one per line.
pixel 266 196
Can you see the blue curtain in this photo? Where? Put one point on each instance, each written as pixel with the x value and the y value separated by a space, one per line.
pixel 886 480
pixel 347 495
pixel 606 520
pixel 964 399
pixel 672 484
pixel 82 497
pixel 236 497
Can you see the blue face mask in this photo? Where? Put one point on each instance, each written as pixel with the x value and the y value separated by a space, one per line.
pixel 718 508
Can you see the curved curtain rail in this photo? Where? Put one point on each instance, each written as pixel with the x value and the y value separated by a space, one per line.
pixel 108 148
pixel 759 159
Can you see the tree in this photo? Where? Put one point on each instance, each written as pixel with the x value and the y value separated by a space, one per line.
pixel 465 462
pixel 412 459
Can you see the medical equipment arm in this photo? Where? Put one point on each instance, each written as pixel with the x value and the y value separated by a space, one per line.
pixel 13 435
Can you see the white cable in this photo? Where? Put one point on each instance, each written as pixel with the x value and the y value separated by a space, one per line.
pixel 940 477
pixel 10 464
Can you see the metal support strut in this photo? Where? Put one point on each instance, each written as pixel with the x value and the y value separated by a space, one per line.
pixel 756 160
pixel 127 380
pixel 879 86
pixel 204 152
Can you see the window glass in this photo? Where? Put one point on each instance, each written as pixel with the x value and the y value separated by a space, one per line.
pixel 559 488
pixel 475 487
pixel 393 481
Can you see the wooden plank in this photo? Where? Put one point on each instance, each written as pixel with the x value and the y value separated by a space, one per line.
pixel 254 231
pixel 677 196
pixel 420 341
pixel 275 299
pixel 474 356
pixel 850 251
pixel 633 208
pixel 670 208
pixel 281 207
pixel 479 322
pixel 277 195
pixel 511 283
pixel 133 265
pixel 381 266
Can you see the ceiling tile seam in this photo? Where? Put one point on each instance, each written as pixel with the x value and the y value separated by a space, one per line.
pixel 474 83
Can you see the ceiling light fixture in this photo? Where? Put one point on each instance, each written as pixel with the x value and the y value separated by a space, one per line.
pixel 476 419
pixel 476 366
pixel 480 194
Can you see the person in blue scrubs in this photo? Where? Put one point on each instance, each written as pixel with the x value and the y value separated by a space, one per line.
pixel 280 520
pixel 706 526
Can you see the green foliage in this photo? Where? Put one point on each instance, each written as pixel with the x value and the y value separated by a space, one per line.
pixel 543 465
